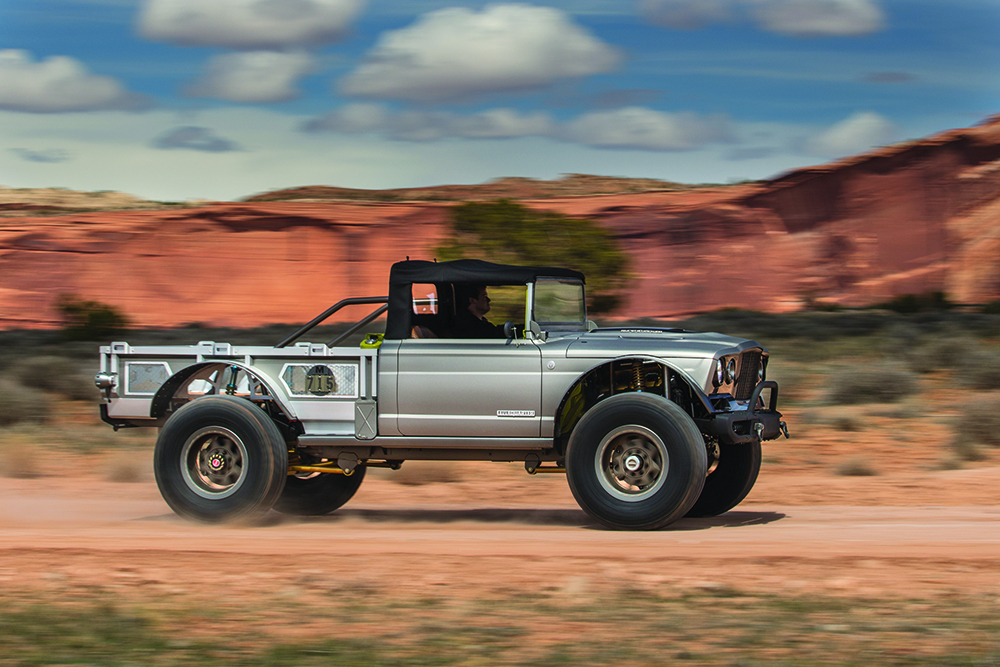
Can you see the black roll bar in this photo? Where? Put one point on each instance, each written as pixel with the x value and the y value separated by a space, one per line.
pixel 372 316
pixel 354 301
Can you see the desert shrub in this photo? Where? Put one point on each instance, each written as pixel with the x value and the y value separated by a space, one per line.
pixel 20 404
pixel 966 450
pixel 506 232
pixel 847 423
pixel 940 352
pixel 871 383
pixel 856 467
pixel 124 470
pixel 57 375
pixel 979 368
pixel 89 320
pixel 908 304
pixel 978 427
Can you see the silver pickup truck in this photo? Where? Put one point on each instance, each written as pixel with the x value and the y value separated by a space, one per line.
pixel 648 424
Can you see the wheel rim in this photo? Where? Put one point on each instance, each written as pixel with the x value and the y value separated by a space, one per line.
pixel 632 462
pixel 213 462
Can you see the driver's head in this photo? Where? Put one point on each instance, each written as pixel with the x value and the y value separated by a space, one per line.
pixel 474 297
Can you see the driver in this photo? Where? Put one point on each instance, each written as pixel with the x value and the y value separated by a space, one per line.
pixel 472 304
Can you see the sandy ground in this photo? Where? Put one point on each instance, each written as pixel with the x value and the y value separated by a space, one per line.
pixel 802 530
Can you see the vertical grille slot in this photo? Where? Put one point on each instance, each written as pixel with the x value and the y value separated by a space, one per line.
pixel 746 378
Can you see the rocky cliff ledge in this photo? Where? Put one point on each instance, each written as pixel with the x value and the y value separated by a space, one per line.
pixel 910 218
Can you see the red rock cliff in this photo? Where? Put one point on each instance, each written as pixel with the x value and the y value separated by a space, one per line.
pixel 922 216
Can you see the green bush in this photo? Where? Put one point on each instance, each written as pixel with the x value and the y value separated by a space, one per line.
pixel 506 232
pixel 89 320
pixel 871 383
pixel 991 308
pixel 908 304
pixel 19 404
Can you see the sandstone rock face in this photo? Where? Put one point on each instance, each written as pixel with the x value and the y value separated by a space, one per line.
pixel 917 217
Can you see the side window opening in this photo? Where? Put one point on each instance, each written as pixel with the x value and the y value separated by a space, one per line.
pixel 428 318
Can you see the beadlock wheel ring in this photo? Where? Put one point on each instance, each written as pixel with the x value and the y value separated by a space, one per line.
pixel 213 462
pixel 632 463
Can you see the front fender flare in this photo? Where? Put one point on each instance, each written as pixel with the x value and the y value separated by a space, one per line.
pixel 696 390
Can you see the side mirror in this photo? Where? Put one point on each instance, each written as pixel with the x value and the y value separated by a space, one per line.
pixel 508 329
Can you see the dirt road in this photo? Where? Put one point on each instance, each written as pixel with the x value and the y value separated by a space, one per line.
pixel 516 533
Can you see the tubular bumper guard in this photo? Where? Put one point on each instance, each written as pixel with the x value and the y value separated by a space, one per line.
pixel 747 425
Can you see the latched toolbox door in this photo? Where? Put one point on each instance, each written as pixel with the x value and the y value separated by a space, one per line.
pixel 469 388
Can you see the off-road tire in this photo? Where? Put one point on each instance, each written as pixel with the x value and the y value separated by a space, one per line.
pixel 320 494
pixel 220 458
pixel 731 481
pixel 636 462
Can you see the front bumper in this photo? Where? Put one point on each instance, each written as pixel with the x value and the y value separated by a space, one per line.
pixel 751 423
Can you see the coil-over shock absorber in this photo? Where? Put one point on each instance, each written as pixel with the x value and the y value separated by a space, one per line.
pixel 637 378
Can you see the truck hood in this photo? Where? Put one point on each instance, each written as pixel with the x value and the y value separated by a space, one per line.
pixel 665 343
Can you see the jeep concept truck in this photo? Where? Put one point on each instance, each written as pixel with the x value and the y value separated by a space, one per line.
pixel 648 424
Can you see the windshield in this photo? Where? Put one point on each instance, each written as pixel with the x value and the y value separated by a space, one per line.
pixel 560 302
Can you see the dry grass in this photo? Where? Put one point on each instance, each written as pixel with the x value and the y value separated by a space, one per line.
pixel 572 624
pixel 126 468
pixel 871 383
pixel 20 404
pixel 20 455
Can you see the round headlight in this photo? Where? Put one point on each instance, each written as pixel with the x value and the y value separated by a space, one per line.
pixel 720 365
pixel 731 371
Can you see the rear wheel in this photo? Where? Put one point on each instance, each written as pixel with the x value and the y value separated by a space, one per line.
pixel 320 493
pixel 219 458
pixel 729 483
pixel 636 462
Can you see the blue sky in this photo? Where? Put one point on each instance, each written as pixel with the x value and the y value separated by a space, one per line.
pixel 220 99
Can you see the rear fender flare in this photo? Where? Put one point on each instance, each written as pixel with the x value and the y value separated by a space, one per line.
pixel 176 385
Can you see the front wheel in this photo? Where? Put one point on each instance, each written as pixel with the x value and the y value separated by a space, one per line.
pixel 320 493
pixel 636 462
pixel 729 483
pixel 220 458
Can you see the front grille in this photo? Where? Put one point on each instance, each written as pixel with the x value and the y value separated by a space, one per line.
pixel 746 377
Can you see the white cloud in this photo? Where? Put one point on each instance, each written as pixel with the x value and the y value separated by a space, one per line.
pixel 113 150
pixel 857 133
pixel 627 128
pixel 456 53
pixel 432 125
pixel 247 24
pixel 647 129
pixel 351 119
pixel 797 18
pixel 817 18
pixel 48 156
pixel 58 84
pixel 687 14
pixel 195 139
pixel 254 76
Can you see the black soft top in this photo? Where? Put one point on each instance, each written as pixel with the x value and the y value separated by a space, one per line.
pixel 404 274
